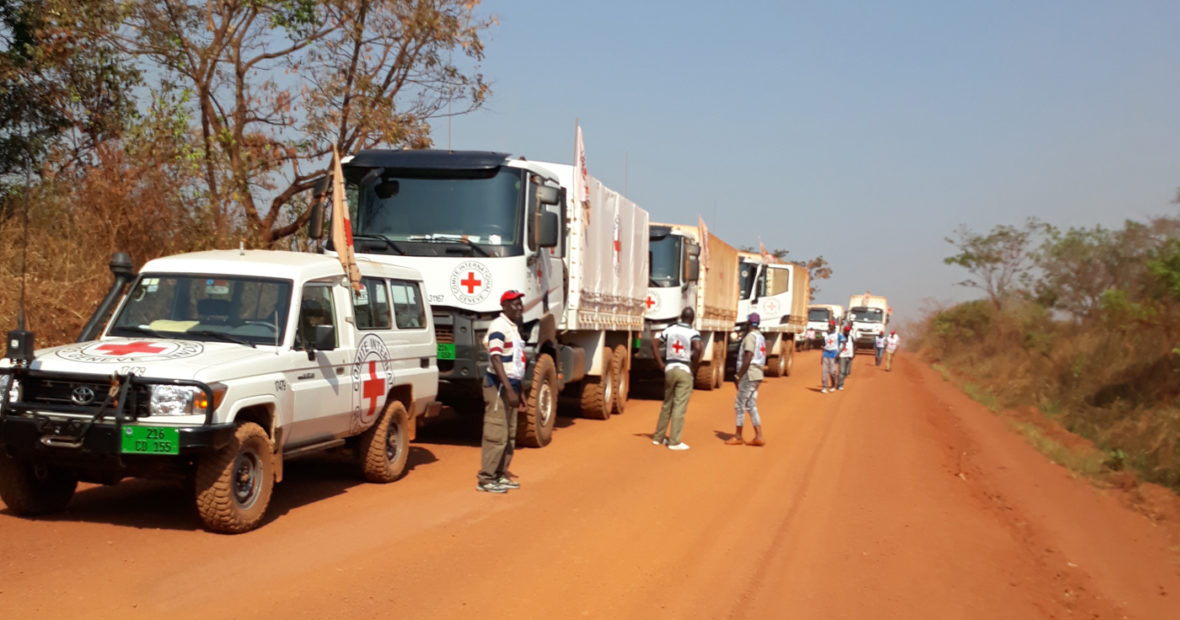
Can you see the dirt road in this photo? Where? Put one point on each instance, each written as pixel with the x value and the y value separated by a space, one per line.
pixel 896 498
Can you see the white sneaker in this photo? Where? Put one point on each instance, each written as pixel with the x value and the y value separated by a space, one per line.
pixel 662 442
pixel 679 446
pixel 840 388
pixel 825 390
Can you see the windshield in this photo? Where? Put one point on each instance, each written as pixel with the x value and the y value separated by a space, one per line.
pixel 213 307
pixel 748 274
pixel 421 210
pixel 665 261
pixel 867 315
pixel 819 314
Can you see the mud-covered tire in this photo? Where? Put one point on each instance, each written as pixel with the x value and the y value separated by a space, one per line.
pixel 623 386
pixel 598 393
pixel 706 376
pixel 789 362
pixel 234 484
pixel 774 366
pixel 535 426
pixel 30 490
pixel 384 446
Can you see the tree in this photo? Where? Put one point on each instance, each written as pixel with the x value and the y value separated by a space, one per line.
pixel 276 83
pixel 999 261
pixel 818 269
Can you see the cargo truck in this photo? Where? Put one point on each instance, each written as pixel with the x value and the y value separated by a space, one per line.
pixel 477 224
pixel 686 273
pixel 778 291
pixel 819 317
pixel 868 315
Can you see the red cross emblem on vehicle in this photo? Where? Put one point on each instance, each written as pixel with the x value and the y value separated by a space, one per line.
pixel 677 347
pixel 131 347
pixel 374 387
pixel 470 282
pixel 650 302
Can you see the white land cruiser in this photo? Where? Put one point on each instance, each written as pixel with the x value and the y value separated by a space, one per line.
pixel 215 368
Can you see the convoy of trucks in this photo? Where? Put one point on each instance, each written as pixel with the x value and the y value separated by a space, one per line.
pixel 778 291
pixel 690 267
pixel 868 315
pixel 218 366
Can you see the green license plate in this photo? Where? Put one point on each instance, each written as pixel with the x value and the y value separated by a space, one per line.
pixel 150 440
pixel 446 351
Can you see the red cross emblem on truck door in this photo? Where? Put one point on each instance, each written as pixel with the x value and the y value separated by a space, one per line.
pixel 470 282
pixel 677 347
pixel 650 302
pixel 131 347
pixel 374 387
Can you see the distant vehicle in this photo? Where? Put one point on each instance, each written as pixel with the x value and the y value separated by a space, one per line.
pixel 217 367
pixel 477 224
pixel 819 318
pixel 681 278
pixel 778 292
pixel 869 317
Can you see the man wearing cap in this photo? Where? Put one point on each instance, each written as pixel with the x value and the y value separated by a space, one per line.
pixel 749 377
pixel 847 352
pixel 828 371
pixel 891 348
pixel 879 346
pixel 682 349
pixel 501 395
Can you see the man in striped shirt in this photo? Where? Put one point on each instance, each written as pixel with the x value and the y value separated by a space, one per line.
pixel 501 395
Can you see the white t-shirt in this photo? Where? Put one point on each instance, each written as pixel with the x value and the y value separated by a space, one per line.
pixel 891 343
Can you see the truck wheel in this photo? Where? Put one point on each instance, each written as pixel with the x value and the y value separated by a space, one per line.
pixel 31 490
pixel 234 484
pixel 774 366
pixel 706 376
pixel 790 361
pixel 598 393
pixel 535 427
pixel 719 364
pixel 623 387
pixel 384 446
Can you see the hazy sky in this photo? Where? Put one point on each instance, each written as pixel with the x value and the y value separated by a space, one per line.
pixel 862 131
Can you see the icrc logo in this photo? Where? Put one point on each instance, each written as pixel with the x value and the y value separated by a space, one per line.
pixel 471 282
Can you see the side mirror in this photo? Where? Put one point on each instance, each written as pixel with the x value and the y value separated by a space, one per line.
pixel 315 223
pixel 694 269
pixel 548 195
pixel 548 225
pixel 325 337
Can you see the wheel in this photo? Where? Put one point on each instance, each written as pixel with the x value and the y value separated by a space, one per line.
pixel 535 427
pixel 234 484
pixel 774 366
pixel 719 349
pixel 31 490
pixel 384 446
pixel 623 387
pixel 790 361
pixel 706 376
pixel 598 393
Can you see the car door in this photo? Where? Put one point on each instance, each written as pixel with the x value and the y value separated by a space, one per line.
pixel 320 383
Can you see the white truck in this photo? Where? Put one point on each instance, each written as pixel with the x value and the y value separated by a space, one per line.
pixel 477 224
pixel 778 291
pixel 681 276
pixel 819 318
pixel 869 317
pixel 216 368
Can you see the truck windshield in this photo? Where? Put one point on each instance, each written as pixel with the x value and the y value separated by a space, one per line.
pixel 433 212
pixel 867 315
pixel 206 307
pixel 819 314
pixel 665 261
pixel 748 275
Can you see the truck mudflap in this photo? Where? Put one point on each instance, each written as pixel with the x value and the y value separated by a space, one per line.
pixel 94 421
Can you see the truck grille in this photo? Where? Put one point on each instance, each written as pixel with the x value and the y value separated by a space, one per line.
pixel 444 334
pixel 77 395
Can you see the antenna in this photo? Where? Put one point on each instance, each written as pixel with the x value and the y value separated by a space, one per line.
pixel 20 341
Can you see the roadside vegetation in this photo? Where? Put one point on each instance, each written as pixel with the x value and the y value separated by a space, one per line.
pixel 160 126
pixel 1078 330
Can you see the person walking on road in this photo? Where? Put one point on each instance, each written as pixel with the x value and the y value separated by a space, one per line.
pixel 681 349
pixel 847 352
pixel 501 395
pixel 891 348
pixel 748 378
pixel 879 346
pixel 828 370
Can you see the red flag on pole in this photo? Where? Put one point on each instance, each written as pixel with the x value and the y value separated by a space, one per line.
pixel 581 176
pixel 342 225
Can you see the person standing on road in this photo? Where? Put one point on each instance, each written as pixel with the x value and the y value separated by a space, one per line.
pixel 748 378
pixel 828 369
pixel 501 395
pixel 681 349
pixel 891 348
pixel 879 346
pixel 847 352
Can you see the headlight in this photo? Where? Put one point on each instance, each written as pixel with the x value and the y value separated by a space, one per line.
pixel 183 399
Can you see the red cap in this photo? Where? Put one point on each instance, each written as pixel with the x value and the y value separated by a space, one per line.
pixel 509 296
pixel 847 328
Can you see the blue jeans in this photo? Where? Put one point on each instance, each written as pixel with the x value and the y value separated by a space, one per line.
pixel 880 352
pixel 845 370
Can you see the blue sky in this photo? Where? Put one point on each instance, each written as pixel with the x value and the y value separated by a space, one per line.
pixel 865 132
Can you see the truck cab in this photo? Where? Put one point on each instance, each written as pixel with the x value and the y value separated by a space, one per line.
pixel 216 367
pixel 868 315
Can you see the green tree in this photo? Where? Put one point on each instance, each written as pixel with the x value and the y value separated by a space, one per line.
pixel 999 262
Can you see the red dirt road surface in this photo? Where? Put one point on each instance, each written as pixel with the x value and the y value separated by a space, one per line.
pixel 896 498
